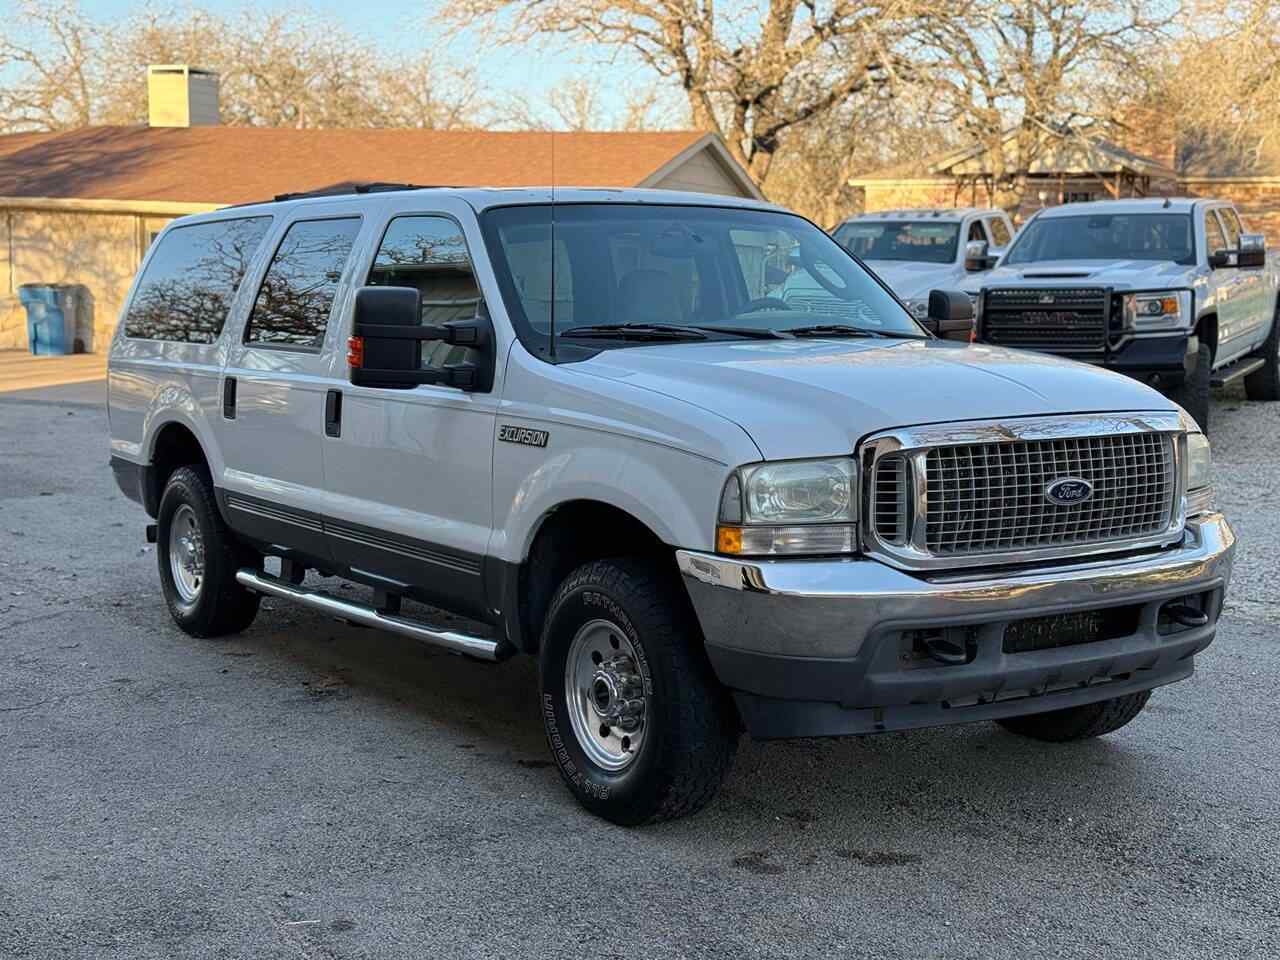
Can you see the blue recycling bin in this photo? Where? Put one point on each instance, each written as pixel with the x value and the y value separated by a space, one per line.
pixel 51 317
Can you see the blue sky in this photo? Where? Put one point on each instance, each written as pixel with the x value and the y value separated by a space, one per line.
pixel 403 25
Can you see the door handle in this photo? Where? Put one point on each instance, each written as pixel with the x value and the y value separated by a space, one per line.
pixel 229 398
pixel 333 413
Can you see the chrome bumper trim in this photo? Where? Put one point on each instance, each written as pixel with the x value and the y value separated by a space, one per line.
pixel 828 608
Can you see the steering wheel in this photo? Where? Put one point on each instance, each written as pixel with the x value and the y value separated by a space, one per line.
pixel 765 303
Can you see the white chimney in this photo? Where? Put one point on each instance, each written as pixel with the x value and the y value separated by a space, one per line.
pixel 182 96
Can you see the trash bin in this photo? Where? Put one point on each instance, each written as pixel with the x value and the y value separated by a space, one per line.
pixel 51 316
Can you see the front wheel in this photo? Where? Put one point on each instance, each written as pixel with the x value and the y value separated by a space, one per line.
pixel 639 727
pixel 1193 392
pixel 1079 723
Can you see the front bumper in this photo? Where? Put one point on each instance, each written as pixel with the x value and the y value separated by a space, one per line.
pixel 816 647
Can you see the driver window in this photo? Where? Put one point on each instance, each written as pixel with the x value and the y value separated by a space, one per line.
pixel 1231 225
pixel 430 253
pixel 976 232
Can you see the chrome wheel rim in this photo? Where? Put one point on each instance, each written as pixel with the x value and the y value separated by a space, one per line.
pixel 186 554
pixel 605 691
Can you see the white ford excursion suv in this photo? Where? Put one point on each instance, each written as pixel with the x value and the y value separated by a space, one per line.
pixel 593 427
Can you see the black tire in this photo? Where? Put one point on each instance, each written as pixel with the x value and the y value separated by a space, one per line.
pixel 1079 723
pixel 1193 392
pixel 1264 383
pixel 690 731
pixel 220 605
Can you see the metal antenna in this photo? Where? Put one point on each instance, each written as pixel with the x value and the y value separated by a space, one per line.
pixel 553 245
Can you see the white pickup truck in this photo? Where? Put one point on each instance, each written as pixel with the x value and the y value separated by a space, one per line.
pixel 1170 291
pixel 583 425
pixel 920 250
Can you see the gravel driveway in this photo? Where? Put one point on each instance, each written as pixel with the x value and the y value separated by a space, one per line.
pixel 315 790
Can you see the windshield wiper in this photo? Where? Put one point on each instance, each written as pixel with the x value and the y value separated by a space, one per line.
pixel 635 331
pixel 674 331
pixel 846 330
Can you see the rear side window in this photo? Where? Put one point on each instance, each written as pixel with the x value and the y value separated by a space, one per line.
pixel 187 288
pixel 296 297
pixel 999 232
pixel 430 253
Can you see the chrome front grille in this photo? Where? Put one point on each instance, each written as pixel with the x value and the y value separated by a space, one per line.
pixel 992 496
pixel 956 495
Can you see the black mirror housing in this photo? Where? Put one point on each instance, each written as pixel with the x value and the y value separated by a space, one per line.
pixel 950 315
pixel 389 332
pixel 1253 251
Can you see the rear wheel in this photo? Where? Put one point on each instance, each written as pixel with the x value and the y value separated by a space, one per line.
pixel 1264 383
pixel 1079 723
pixel 199 557
pixel 639 727
pixel 1193 392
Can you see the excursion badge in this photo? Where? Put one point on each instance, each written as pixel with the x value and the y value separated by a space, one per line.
pixel 529 437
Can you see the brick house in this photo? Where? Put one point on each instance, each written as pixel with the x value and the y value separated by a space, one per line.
pixel 81 207
pixel 1079 168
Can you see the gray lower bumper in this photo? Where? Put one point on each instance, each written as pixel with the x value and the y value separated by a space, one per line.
pixel 827 634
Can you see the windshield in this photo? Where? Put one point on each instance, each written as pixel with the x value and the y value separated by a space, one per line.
pixel 696 267
pixel 1106 236
pixel 921 241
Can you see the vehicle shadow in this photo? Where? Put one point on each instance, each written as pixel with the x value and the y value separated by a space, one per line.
pixel 875 801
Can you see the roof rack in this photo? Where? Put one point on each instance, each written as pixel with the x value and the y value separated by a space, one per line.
pixel 346 189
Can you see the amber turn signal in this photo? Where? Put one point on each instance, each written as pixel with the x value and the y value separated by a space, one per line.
pixel 728 539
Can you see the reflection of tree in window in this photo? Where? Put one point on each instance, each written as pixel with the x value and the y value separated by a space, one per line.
pixel 297 293
pixel 189 283
pixel 430 253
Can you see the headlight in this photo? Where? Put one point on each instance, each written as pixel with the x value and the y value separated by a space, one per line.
pixel 789 507
pixel 919 308
pixel 1158 311
pixel 1199 475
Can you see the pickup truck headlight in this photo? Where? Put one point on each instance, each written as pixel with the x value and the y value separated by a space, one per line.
pixel 789 507
pixel 1158 311
pixel 1199 475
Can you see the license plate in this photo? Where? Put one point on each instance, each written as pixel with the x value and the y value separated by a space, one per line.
pixel 1060 630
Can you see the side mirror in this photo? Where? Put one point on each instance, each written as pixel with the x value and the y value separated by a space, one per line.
pixel 976 257
pixel 385 349
pixel 950 315
pixel 1219 260
pixel 1253 250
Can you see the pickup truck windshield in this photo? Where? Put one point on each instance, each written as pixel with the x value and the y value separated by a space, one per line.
pixel 921 241
pixel 1110 236
pixel 626 274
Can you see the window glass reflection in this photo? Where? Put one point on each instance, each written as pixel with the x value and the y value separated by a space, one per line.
pixel 296 297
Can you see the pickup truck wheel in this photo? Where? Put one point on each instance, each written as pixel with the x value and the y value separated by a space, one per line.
pixel 1079 723
pixel 1193 392
pixel 198 558
pixel 639 727
pixel 1264 383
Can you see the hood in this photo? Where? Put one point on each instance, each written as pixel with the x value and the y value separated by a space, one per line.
pixel 1118 274
pixel 810 398
pixel 913 281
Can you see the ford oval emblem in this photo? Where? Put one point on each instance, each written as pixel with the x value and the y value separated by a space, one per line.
pixel 1068 491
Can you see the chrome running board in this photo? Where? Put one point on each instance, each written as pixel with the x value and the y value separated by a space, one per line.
pixel 363 615
pixel 1241 368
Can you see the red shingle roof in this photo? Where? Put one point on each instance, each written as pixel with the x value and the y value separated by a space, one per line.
pixel 243 164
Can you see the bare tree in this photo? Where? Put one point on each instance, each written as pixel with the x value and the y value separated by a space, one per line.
pixel 749 74
pixel 295 69
pixel 579 103
pixel 1015 76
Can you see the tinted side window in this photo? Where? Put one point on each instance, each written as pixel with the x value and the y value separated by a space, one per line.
pixel 1213 238
pixel 296 297
pixel 1231 224
pixel 976 232
pixel 999 232
pixel 430 253
pixel 189 283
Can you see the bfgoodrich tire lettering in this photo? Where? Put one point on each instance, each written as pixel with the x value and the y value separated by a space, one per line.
pixel 212 604
pixel 690 728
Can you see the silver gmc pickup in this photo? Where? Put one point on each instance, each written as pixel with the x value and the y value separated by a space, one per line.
pixel 594 427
